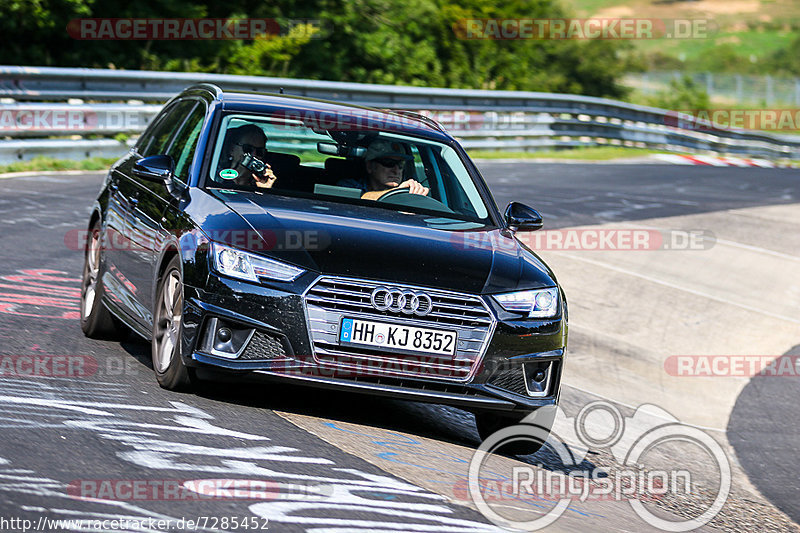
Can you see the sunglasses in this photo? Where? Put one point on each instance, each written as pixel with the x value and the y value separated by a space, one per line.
pixel 390 163
pixel 254 150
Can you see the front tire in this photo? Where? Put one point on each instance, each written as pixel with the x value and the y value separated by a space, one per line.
pixel 489 423
pixel 170 371
pixel 96 321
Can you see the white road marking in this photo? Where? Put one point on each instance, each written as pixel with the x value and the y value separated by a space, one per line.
pixel 678 287
pixel 735 244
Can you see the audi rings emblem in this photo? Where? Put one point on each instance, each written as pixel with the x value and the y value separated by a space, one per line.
pixel 403 301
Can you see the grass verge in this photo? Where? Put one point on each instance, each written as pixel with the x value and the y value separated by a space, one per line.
pixel 594 153
pixel 38 164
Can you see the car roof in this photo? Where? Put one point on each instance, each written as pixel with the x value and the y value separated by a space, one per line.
pixel 324 112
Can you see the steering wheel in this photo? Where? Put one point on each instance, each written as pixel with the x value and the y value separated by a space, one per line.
pixel 402 196
pixel 391 193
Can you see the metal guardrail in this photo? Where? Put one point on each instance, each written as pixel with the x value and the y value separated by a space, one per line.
pixel 10 151
pixel 772 90
pixel 509 120
pixel 38 119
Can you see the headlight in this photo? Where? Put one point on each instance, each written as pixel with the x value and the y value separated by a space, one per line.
pixel 541 303
pixel 238 264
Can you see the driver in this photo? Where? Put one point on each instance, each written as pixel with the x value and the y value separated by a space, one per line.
pixel 385 161
pixel 247 139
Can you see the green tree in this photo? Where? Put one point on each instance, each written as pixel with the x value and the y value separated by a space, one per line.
pixel 683 94
pixel 722 58
pixel 387 41
pixel 787 60
pixel 271 54
pixel 412 42
pixel 33 32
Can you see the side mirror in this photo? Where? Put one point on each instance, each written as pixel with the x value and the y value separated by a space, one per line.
pixel 157 168
pixel 520 217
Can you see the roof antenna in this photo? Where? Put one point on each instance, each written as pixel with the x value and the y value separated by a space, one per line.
pixel 281 90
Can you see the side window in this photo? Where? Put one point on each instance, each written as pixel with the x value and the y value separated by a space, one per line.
pixel 419 168
pixel 172 119
pixel 147 137
pixel 184 143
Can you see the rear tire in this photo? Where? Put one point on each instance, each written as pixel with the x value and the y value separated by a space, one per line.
pixel 170 371
pixel 489 423
pixel 97 322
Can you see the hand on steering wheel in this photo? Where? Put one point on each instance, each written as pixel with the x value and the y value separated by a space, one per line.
pixel 414 187
pixel 402 195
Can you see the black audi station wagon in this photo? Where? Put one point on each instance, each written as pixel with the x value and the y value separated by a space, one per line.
pixel 329 245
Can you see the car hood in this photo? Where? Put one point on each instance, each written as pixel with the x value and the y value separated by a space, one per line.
pixel 359 241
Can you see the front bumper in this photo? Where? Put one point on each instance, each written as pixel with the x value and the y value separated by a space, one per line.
pixel 270 323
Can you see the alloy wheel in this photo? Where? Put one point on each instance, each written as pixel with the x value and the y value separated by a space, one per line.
pixel 169 322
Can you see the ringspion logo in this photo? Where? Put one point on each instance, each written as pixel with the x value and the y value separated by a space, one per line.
pixel 501 490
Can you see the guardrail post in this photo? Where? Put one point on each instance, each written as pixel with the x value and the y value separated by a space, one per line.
pixel 770 90
pixel 797 91
pixel 739 88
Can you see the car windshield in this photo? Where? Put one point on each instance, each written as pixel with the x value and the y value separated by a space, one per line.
pixel 344 164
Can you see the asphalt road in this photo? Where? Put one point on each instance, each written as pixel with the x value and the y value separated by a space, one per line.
pixel 763 429
pixel 111 421
pixel 763 426
pixel 576 194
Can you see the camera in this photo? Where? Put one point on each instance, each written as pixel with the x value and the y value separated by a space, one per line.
pixel 253 164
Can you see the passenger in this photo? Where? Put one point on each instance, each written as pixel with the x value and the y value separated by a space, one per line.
pixel 243 140
pixel 385 161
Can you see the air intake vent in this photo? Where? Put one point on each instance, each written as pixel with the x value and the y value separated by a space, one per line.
pixel 526 379
pixel 264 346
pixel 511 379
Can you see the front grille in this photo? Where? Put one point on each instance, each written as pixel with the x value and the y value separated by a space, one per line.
pixel 411 384
pixel 264 346
pixel 331 299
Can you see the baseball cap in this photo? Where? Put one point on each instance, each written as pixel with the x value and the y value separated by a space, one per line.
pixel 381 148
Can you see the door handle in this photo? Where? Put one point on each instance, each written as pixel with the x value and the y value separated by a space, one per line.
pixel 134 200
pixel 113 187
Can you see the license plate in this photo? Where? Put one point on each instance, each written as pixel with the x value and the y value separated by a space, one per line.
pixel 424 340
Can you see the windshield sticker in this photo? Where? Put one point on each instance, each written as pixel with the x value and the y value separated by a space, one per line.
pixel 228 174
